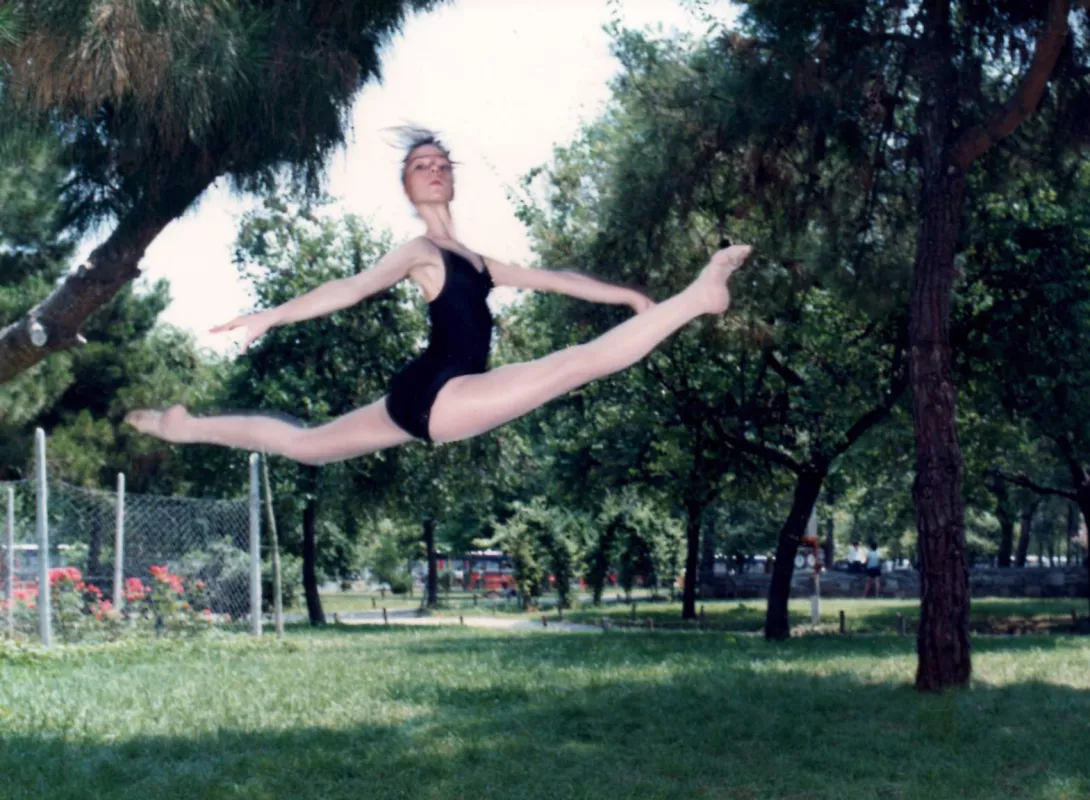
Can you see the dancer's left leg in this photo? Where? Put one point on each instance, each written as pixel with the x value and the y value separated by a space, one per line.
pixel 469 405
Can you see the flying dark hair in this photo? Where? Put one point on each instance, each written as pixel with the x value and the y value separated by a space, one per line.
pixel 410 137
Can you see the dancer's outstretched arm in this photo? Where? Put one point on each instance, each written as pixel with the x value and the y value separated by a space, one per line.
pixel 573 284
pixel 333 295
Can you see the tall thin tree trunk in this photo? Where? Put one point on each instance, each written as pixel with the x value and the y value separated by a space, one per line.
pixel 309 483
pixel 1025 532
pixel 94 548
pixel 943 643
pixel 694 509
pixel 433 567
pixel 807 488
pixel 1005 513
pixel 707 558
pixel 1084 507
pixel 1072 530
pixel 830 545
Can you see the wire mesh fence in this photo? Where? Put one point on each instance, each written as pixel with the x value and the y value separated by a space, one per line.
pixel 115 546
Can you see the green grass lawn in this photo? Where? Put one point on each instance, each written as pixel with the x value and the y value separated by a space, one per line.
pixel 363 712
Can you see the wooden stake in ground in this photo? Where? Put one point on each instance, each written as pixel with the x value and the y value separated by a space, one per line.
pixel 278 600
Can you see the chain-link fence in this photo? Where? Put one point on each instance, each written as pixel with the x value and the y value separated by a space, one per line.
pixel 115 539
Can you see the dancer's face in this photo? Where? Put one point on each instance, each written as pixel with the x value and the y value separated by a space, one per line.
pixel 429 177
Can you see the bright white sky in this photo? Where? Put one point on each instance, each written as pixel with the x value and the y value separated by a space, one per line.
pixel 502 80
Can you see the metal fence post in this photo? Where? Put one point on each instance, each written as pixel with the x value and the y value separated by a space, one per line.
pixel 9 562
pixel 255 547
pixel 45 620
pixel 119 545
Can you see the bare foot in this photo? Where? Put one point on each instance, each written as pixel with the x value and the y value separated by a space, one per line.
pixel 713 278
pixel 168 425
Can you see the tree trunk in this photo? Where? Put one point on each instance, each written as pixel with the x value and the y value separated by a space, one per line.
pixel 310 546
pixel 943 643
pixel 830 545
pixel 807 487
pixel 109 267
pixel 1024 534
pixel 694 511
pixel 1084 507
pixel 94 547
pixel 707 558
pixel 1005 513
pixel 1072 530
pixel 433 569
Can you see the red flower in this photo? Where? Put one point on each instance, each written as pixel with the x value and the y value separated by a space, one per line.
pixel 64 574
pixel 134 590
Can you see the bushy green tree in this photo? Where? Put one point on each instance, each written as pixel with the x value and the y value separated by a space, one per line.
pixel 156 100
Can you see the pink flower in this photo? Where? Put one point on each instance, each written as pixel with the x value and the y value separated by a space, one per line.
pixel 103 608
pixel 135 590
pixel 61 574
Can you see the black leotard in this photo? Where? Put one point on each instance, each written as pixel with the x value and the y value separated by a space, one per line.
pixel 461 333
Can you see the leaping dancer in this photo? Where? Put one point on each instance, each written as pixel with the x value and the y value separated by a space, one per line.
pixel 449 393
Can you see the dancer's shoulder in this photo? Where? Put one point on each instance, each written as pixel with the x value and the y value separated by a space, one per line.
pixel 407 255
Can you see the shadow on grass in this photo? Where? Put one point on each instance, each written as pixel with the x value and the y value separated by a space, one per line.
pixel 989 615
pixel 586 716
pixel 621 645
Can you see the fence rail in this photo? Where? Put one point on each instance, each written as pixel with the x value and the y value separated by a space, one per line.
pixel 115 537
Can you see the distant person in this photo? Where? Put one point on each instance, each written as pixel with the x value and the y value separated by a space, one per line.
pixel 855 557
pixel 874 570
pixel 448 393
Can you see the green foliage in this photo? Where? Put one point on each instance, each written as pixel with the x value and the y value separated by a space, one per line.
pixel 150 95
pixel 224 571
pixel 522 538
pixel 388 551
pixel 80 397
pixel 637 537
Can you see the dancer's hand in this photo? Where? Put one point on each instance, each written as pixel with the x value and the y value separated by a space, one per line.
pixel 640 302
pixel 256 325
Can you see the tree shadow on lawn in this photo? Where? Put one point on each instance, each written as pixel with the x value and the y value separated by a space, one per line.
pixel 556 719
pixel 522 649
pixel 989 615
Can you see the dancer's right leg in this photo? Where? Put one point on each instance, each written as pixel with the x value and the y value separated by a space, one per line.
pixel 365 430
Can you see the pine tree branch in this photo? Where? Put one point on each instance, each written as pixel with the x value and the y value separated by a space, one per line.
pixel 761 451
pixel 1023 481
pixel 110 266
pixel 979 139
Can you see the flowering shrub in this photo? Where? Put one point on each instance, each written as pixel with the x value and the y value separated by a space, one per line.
pixel 24 609
pixel 168 605
pixel 165 604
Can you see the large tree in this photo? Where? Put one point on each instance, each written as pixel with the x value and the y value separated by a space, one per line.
pixel 810 356
pixel 945 83
pixel 155 101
